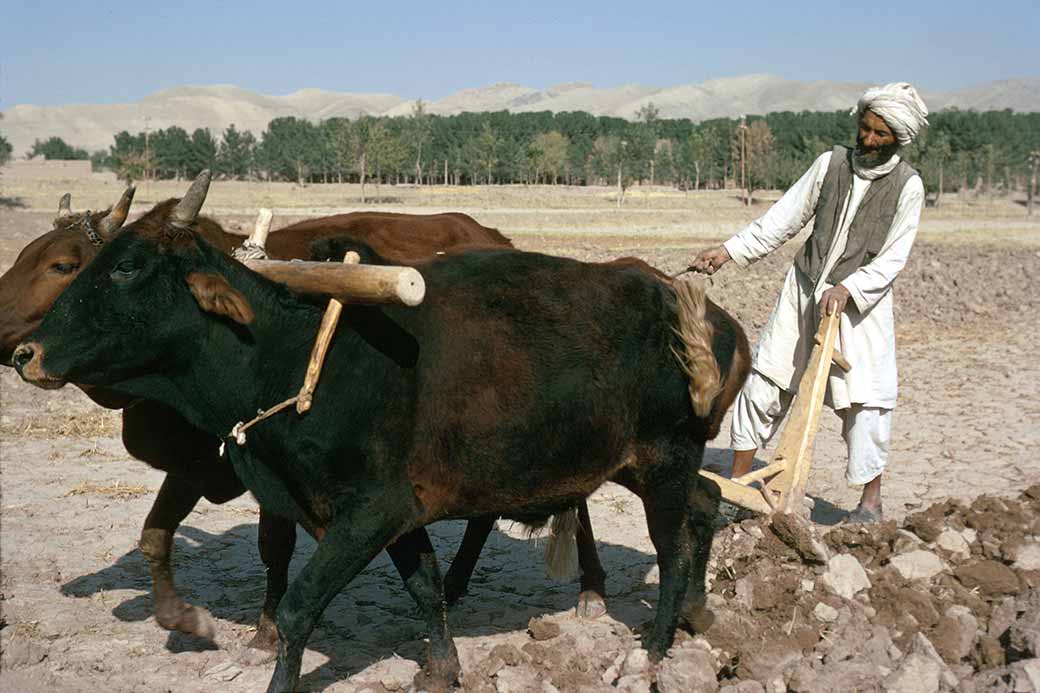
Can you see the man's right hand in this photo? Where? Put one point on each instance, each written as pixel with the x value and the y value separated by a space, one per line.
pixel 709 261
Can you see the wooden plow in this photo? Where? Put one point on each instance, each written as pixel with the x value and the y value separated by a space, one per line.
pixel 780 485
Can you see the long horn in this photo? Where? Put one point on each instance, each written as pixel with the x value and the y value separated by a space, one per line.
pixel 188 208
pixel 65 205
pixel 113 221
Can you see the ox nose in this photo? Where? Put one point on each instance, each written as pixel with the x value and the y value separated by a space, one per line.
pixel 27 359
pixel 23 356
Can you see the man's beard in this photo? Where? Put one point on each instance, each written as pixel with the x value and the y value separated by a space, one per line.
pixel 871 158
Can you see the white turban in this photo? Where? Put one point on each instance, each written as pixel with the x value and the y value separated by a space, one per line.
pixel 899 105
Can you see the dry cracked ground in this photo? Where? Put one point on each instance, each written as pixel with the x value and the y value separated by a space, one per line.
pixel 943 596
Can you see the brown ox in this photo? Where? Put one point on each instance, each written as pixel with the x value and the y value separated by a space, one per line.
pixel 159 436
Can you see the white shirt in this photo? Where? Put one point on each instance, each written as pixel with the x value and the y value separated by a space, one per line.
pixel 867 332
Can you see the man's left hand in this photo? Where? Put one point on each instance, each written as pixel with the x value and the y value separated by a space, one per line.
pixel 834 300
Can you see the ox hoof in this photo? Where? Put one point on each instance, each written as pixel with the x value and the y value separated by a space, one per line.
pixel 696 618
pixel 437 679
pixel 441 671
pixel 266 638
pixel 185 618
pixel 252 656
pixel 591 605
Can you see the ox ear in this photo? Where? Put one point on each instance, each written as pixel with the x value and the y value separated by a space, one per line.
pixel 113 221
pixel 215 295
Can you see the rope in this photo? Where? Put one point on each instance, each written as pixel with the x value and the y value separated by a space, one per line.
pixel 249 251
pixel 88 228
pixel 238 431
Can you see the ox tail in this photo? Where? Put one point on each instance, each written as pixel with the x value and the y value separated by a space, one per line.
pixel 696 359
pixel 561 554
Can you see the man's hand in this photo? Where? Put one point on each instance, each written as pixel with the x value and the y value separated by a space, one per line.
pixel 709 261
pixel 834 300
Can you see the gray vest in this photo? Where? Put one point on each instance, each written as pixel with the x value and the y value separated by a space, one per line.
pixel 869 228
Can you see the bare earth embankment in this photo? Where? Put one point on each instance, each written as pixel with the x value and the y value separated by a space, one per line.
pixel 944 596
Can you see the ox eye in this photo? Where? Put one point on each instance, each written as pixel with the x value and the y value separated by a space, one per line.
pixel 65 267
pixel 124 271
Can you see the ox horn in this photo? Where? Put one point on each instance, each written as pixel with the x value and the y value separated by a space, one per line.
pixel 65 205
pixel 188 208
pixel 113 221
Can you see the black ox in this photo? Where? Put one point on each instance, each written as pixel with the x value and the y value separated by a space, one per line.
pixel 520 385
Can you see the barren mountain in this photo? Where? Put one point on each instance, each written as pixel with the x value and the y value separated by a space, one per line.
pixel 92 126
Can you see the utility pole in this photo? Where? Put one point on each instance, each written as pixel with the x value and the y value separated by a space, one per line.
pixel 621 163
pixel 147 159
pixel 743 159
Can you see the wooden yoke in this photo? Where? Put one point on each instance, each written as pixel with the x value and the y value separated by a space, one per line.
pixel 321 345
pixel 781 484
pixel 348 282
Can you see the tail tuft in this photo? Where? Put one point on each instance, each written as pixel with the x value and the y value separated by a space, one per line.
pixel 561 555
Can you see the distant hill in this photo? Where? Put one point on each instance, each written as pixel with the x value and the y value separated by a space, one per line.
pixel 215 107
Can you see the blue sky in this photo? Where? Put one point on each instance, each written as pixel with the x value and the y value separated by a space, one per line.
pixel 97 52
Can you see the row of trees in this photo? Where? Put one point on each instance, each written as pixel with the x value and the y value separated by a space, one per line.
pixel 961 149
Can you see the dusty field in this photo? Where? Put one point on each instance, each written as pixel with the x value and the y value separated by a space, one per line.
pixel 75 591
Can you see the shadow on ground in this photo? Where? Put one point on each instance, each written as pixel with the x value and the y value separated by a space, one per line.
pixel 373 618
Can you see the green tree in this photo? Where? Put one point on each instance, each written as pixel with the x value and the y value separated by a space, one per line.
pixel 482 154
pixel 289 148
pixel 933 154
pixel 418 136
pixel 360 134
pixel 613 155
pixel 170 153
pixel 383 152
pixel 646 137
pixel 345 146
pixel 752 146
pixel 202 153
pixel 128 157
pixel 550 158
pixel 5 150
pixel 56 148
pixel 761 156
pixel 235 155
pixel 694 155
pixel 101 160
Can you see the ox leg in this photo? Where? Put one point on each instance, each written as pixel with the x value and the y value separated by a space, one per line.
pixel 666 502
pixel 176 498
pixel 704 507
pixel 461 570
pixel 413 556
pixel 592 600
pixel 277 541
pixel 350 543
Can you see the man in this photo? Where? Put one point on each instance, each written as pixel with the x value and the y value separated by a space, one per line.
pixel 867 205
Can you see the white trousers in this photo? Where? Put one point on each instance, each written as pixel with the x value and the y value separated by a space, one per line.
pixel 762 405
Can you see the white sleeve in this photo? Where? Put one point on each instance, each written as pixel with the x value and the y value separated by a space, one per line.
pixel 871 282
pixel 783 220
